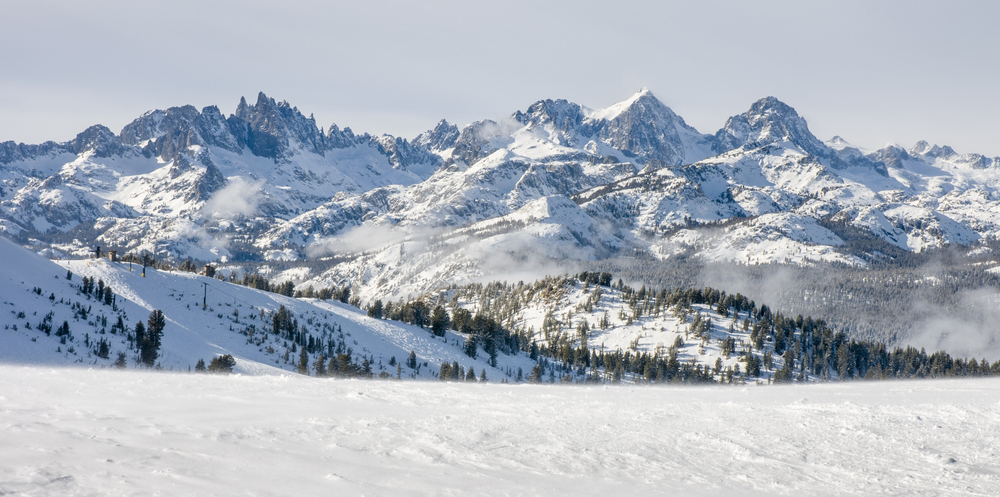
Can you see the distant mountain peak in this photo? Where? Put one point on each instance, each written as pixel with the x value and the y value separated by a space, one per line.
pixel 778 118
pixel 97 139
pixel 614 110
pixel 442 137
pixel 838 143
pixel 923 148
pixel 768 121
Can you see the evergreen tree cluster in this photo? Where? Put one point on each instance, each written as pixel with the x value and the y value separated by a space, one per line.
pixel 325 354
pixel 148 339
pixel 222 364
pixel 881 302
pixel 343 294
pixel 100 291
pixel 255 280
pixel 777 347
pixel 457 372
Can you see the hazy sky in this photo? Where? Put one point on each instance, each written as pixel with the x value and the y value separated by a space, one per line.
pixel 872 72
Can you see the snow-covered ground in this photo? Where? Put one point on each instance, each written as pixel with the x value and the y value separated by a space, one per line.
pixel 237 321
pixel 72 431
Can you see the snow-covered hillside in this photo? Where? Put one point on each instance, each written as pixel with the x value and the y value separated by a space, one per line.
pixel 86 432
pixel 239 321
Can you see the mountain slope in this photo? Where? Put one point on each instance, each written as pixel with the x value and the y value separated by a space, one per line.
pixel 237 321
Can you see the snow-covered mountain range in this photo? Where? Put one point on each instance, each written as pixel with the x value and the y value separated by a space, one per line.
pixel 555 182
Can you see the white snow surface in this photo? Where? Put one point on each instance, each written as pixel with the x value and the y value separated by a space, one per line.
pixel 89 432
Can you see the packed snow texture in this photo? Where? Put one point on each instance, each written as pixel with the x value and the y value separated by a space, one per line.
pixel 87 432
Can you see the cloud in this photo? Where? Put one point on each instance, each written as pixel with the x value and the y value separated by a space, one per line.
pixel 238 198
pixel 969 330
pixel 358 239
pixel 963 323
pixel 518 257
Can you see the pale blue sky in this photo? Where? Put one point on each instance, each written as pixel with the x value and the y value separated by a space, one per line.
pixel 872 72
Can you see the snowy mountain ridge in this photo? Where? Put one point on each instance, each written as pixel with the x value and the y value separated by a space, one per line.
pixel 265 183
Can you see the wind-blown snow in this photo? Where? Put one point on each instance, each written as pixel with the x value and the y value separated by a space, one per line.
pixel 86 432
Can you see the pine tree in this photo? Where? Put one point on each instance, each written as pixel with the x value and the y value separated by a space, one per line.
pixel 140 338
pixel 443 371
pixel 222 364
pixel 149 345
pixel 375 310
pixel 102 349
pixel 535 376
pixel 411 361
pixel 320 366
pixel 440 321
pixel 470 347
pixel 345 368
pixel 482 376
pixel 200 366
pixel 304 362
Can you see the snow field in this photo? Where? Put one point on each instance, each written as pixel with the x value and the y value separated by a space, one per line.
pixel 86 432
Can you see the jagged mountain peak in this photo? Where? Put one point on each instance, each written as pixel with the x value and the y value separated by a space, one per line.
pixel 641 98
pixel 267 126
pixel 480 139
pixel 263 99
pixel 243 106
pixel 646 130
pixel 768 121
pixel 922 148
pixel 892 155
pixel 167 133
pixel 244 110
pixel 771 105
pixel 97 139
pixel 640 129
pixel 155 123
pixel 440 138
pixel 562 113
pixel 838 143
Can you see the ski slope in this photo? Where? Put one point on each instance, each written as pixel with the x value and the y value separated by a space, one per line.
pixel 235 321
pixel 88 431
